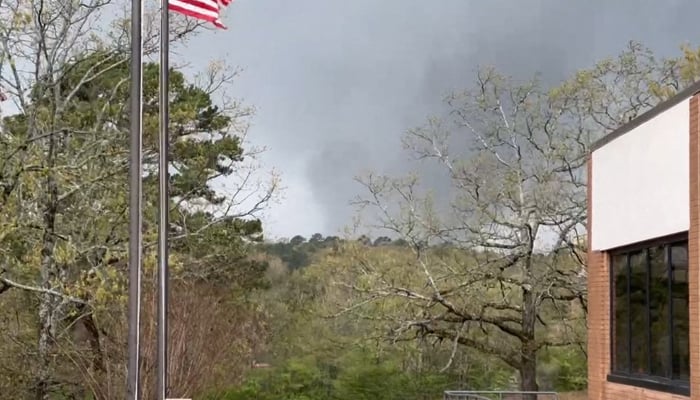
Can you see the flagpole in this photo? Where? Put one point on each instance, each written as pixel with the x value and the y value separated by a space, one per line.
pixel 133 391
pixel 164 203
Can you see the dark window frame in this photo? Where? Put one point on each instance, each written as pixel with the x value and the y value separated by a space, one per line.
pixel 648 381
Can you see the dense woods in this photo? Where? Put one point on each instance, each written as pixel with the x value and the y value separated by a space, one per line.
pixel 484 290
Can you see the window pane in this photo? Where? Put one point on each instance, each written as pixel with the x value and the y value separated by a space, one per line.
pixel 621 320
pixel 638 313
pixel 659 313
pixel 681 359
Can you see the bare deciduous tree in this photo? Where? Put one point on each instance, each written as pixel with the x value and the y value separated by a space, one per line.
pixel 506 257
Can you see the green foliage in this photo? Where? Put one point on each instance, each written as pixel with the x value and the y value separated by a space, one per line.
pixel 345 359
pixel 298 379
pixel 64 165
pixel 368 379
pixel 362 380
pixel 563 369
pixel 298 252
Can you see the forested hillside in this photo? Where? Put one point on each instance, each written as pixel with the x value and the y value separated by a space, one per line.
pixel 328 342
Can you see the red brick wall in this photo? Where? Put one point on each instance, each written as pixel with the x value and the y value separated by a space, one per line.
pixel 598 325
pixel 598 311
pixel 599 293
pixel 694 248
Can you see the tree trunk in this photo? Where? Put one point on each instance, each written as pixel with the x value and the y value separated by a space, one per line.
pixel 47 319
pixel 49 303
pixel 528 358
pixel 528 374
pixel 47 333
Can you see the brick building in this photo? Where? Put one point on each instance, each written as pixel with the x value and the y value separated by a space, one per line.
pixel 644 256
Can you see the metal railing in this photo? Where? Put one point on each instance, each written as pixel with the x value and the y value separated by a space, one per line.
pixel 498 395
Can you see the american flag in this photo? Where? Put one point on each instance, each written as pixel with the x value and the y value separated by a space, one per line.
pixel 205 10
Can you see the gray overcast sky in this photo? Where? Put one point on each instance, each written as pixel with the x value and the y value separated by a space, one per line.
pixel 338 82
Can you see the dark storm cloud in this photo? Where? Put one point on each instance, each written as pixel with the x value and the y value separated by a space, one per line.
pixel 338 82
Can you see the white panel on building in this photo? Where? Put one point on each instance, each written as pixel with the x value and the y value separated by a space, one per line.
pixel 641 182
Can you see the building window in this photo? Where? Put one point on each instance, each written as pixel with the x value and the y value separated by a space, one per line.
pixel 650 314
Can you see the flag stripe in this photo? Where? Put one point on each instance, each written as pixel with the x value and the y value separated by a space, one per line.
pixel 206 10
pixel 194 9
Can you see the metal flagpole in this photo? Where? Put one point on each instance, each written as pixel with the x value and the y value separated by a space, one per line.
pixel 135 213
pixel 163 204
